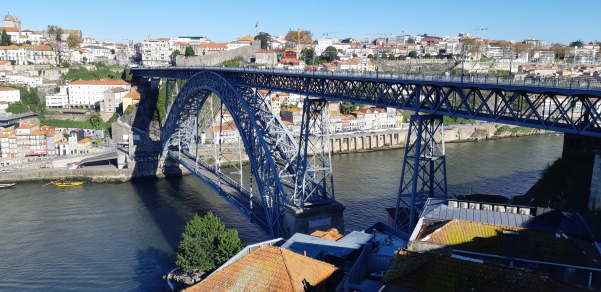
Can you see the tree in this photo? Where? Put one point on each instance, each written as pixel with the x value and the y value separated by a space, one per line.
pixel 189 51
pixel 577 43
pixel 96 120
pixel 174 55
pixel 298 37
pixel 73 41
pixel 308 55
pixel 330 53
pixel 265 39
pixel 348 107
pixel 4 38
pixel 59 34
pixel 206 243
pixel 560 51
pixel 413 54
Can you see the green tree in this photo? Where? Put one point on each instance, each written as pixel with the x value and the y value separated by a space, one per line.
pixel 96 120
pixel 308 55
pixel 126 75
pixel 189 51
pixel 265 39
pixel 206 243
pixel 73 40
pixel 59 34
pixel 348 107
pixel 330 53
pixel 174 55
pixel 413 54
pixel 4 38
pixel 577 43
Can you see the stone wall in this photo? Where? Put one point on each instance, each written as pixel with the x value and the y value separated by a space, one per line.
pixel 214 59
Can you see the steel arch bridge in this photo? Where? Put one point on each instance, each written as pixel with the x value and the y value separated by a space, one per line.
pixel 285 178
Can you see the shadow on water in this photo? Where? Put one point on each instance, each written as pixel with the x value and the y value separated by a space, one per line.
pixel 151 191
pixel 150 262
pixel 171 201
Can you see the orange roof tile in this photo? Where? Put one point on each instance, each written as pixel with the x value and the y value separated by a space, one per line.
pixel 132 95
pixel 9 29
pixel 246 38
pixel 272 268
pixel 212 45
pixel 330 234
pixel 7 88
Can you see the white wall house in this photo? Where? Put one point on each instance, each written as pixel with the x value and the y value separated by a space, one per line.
pixel 10 94
pixel 84 93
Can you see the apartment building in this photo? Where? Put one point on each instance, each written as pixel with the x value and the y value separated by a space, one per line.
pixel 85 93
pixel 156 52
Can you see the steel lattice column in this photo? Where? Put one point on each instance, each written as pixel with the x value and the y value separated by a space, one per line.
pixel 314 179
pixel 424 173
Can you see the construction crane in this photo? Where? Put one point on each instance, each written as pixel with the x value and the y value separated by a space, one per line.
pixel 298 35
pixel 482 29
pixel 329 33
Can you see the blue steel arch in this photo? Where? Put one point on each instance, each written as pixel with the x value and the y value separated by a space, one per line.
pixel 268 161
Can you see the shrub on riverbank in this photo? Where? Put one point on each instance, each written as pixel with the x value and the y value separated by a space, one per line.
pixel 514 130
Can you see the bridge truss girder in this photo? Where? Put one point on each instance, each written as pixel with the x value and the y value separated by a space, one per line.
pixel 569 111
pixel 272 151
pixel 424 173
pixel 315 180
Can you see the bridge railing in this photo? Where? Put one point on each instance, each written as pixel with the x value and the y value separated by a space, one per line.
pixel 256 214
pixel 463 79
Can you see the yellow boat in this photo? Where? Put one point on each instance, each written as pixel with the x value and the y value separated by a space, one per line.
pixel 67 183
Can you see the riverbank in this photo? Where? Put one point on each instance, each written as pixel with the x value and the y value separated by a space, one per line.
pixel 347 143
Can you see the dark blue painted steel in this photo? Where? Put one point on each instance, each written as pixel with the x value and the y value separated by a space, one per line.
pixel 424 174
pixel 568 106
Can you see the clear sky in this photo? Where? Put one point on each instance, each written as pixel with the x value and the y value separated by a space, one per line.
pixel 552 21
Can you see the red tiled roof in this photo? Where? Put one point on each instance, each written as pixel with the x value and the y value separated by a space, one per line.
pixel 246 38
pixel 271 268
pixel 7 88
pixel 9 29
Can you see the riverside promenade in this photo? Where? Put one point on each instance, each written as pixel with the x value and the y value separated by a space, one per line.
pixel 49 169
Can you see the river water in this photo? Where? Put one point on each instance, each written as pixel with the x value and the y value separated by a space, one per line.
pixel 123 236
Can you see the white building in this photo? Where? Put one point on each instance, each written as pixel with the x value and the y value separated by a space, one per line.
pixel 58 100
pixel 98 53
pixel 324 43
pixel 10 94
pixel 84 93
pixel 156 52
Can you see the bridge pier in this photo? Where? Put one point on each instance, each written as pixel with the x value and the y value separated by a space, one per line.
pixel 307 220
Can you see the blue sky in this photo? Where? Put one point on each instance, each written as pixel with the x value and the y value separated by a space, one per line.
pixel 552 21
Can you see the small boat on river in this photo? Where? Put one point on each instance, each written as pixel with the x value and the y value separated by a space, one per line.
pixel 7 185
pixel 64 183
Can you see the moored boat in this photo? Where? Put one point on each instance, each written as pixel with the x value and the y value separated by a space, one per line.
pixel 63 183
pixel 7 185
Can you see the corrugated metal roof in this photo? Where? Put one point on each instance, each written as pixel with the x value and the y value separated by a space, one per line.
pixel 314 246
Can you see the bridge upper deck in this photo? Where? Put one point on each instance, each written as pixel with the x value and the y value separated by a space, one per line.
pixel 564 86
